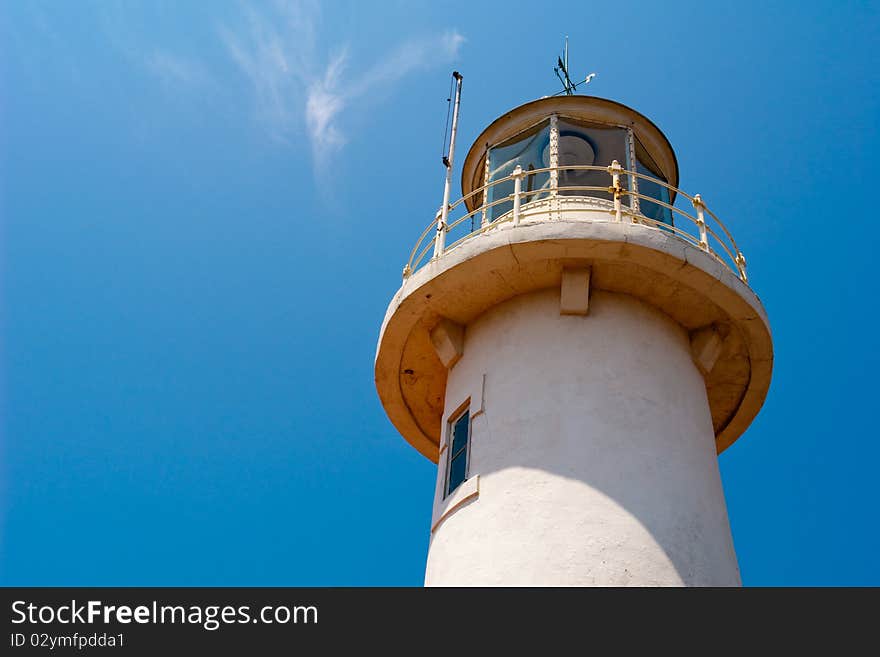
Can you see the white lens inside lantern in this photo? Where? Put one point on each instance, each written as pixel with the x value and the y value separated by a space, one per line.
pixel 575 150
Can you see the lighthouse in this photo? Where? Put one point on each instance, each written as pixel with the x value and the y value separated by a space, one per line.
pixel 574 342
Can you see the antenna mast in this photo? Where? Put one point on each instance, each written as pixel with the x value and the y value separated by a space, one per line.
pixel 439 242
pixel 561 70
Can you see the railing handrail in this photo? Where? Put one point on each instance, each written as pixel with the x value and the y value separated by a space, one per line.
pixel 615 190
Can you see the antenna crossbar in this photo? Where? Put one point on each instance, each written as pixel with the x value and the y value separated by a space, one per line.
pixel 562 72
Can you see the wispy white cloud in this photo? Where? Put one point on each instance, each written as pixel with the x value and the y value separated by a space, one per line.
pixel 295 90
pixel 174 69
pixel 276 57
pixel 324 103
pixel 409 57
pixel 122 25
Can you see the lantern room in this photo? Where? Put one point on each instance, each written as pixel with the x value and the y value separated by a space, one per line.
pixel 546 136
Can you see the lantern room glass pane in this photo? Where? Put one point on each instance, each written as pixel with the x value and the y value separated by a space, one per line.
pixel 530 150
pixel 645 165
pixel 584 144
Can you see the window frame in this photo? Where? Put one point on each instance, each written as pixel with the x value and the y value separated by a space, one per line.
pixel 450 428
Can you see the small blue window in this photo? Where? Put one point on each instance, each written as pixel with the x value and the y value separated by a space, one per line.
pixel 459 435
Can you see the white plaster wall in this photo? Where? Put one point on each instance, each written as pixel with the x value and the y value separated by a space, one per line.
pixel 594 450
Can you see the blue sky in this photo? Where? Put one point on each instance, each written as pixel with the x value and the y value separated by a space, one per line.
pixel 206 207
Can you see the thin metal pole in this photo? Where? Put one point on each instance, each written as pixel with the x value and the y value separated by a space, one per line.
pixel 440 240
pixel 615 170
pixel 484 211
pixel 741 264
pixel 701 222
pixel 566 56
pixel 517 192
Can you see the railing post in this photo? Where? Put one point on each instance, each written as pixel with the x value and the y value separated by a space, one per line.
pixel 517 192
pixel 554 166
pixel 484 214
pixel 701 222
pixel 615 170
pixel 741 265
pixel 440 237
pixel 633 179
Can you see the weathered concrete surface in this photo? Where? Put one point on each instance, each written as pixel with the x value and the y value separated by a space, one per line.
pixel 448 340
pixel 706 347
pixel 593 461
pixel 691 287
pixel 575 291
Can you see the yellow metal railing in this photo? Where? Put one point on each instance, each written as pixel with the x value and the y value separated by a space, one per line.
pixel 710 236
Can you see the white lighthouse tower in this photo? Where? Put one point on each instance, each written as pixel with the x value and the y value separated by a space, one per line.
pixel 573 344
